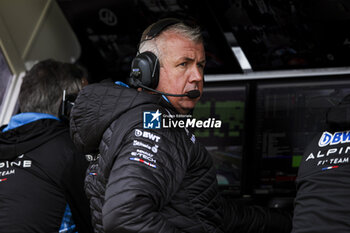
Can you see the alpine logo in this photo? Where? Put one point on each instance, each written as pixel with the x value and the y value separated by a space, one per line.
pixel 9 167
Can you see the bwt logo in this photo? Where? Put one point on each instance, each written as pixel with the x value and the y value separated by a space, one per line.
pixel 333 139
pixel 145 134
pixel 151 120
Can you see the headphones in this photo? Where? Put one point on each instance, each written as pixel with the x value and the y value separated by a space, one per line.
pixel 66 106
pixel 145 66
pixel 68 99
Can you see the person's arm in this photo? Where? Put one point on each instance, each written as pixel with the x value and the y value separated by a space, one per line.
pixel 241 218
pixel 73 182
pixel 141 182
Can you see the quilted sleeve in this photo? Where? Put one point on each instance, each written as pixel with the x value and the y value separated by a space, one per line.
pixel 148 169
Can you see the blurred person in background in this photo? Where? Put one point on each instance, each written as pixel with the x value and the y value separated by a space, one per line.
pixel 323 183
pixel 41 173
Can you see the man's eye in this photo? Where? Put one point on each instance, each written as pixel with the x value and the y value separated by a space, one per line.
pixel 183 64
pixel 201 66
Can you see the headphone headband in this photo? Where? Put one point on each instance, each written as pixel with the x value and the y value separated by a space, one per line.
pixel 160 26
pixel 145 66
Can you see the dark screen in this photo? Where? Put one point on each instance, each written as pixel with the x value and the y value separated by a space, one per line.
pixel 288 116
pixel 226 143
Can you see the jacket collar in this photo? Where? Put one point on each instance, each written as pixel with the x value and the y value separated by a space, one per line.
pixel 25 118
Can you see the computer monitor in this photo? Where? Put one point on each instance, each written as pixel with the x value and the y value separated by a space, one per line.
pixel 288 115
pixel 225 144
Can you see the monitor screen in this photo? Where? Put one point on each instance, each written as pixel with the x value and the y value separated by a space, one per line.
pixel 288 115
pixel 225 144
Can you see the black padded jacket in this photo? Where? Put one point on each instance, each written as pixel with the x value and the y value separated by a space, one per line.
pixel 323 185
pixel 149 180
pixel 40 173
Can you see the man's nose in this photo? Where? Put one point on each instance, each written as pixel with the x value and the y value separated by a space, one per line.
pixel 196 74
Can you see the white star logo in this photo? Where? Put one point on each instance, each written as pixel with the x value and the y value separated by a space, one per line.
pixel 156 115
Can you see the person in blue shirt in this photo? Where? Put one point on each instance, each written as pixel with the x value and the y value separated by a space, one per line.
pixel 41 173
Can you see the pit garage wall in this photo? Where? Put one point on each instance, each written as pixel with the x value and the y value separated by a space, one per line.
pixel 30 33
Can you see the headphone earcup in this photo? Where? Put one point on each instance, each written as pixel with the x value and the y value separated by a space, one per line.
pixel 148 65
pixel 66 107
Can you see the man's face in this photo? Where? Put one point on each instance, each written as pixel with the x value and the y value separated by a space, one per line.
pixel 181 70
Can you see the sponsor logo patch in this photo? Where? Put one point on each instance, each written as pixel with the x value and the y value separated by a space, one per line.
pixel 145 134
pixel 154 148
pixel 143 161
pixel 332 139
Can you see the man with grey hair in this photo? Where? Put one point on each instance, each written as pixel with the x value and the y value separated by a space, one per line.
pixel 179 50
pixel 144 177
pixel 41 172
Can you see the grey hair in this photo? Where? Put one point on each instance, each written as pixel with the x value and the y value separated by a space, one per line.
pixel 43 86
pixel 193 33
